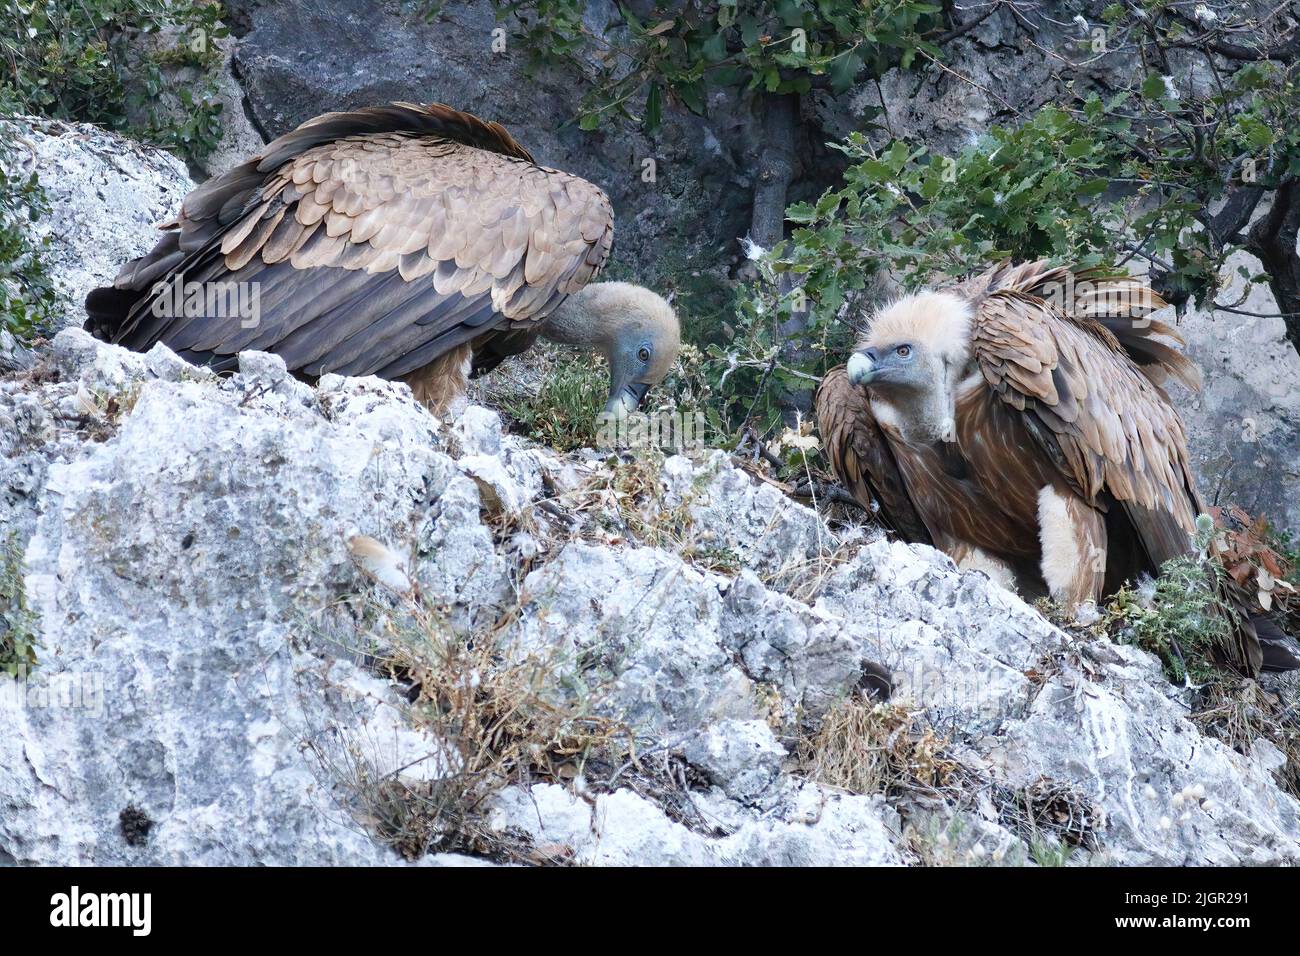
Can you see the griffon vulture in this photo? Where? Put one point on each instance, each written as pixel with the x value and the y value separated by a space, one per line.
pixel 396 241
pixel 1018 422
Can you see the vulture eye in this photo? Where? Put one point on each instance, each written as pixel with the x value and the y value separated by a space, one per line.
pixel 904 351
pixel 643 354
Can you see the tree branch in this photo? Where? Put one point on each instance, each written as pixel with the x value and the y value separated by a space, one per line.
pixel 1272 239
pixel 1236 212
pixel 965 28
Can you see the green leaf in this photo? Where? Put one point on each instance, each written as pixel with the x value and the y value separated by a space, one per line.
pixel 876 171
pixel 1078 148
pixel 714 48
pixel 654 108
pixel 692 94
pixel 844 70
pixel 1153 87
pixel 801 212
pixel 897 155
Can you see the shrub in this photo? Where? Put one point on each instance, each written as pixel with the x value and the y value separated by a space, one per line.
pixel 18 637
pixel 495 713
pixel 564 412
pixel 1181 622
pixel 108 62
pixel 26 290
pixel 866 747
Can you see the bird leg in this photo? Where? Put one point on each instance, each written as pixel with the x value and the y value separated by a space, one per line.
pixel 444 380
pixel 1073 538
pixel 969 557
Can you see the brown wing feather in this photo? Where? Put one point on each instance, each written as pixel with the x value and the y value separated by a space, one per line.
pixel 861 458
pixel 1107 427
pixel 1101 299
pixel 495 348
pixel 1089 383
pixel 379 240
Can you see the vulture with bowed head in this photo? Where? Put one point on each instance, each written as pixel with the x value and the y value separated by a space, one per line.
pixel 411 242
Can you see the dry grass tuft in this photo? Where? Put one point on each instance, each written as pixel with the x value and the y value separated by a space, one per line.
pixel 625 503
pixel 1052 817
pixel 564 411
pixel 496 715
pixel 1240 712
pixel 805 579
pixel 865 747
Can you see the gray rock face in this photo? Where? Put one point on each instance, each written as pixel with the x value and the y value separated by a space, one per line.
pixel 742 757
pixel 188 555
pixel 183 568
pixel 298 60
pixel 192 603
pixel 1168 795
pixel 240 138
pixel 1008 71
pixel 1244 424
pixel 14 356
pixel 237 138
pixel 810 827
pixel 107 193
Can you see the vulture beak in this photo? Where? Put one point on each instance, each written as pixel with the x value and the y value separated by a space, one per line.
pixel 861 369
pixel 624 399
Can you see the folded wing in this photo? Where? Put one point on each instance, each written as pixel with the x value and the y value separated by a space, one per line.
pixel 861 457
pixel 376 240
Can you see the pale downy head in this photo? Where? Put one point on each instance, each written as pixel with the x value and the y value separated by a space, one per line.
pixel 913 357
pixel 635 329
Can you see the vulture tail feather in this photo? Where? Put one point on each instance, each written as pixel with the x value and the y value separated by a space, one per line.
pixel 1157 360
pixel 106 309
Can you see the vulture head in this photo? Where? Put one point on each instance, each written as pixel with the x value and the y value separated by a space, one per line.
pixel 912 359
pixel 635 329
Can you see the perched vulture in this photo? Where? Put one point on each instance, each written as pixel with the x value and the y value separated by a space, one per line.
pixel 405 241
pixel 1018 422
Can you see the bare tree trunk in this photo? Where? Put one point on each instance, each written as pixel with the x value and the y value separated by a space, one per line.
pixel 780 121
pixel 776 170
pixel 1272 240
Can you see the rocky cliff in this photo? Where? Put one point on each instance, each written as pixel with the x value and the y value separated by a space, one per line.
pixel 678 232
pixel 278 624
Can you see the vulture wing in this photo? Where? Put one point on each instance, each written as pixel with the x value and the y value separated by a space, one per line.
pixel 861 457
pixel 378 239
pixel 496 347
pixel 1113 301
pixel 1088 378
pixel 1106 426
pixel 1115 438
